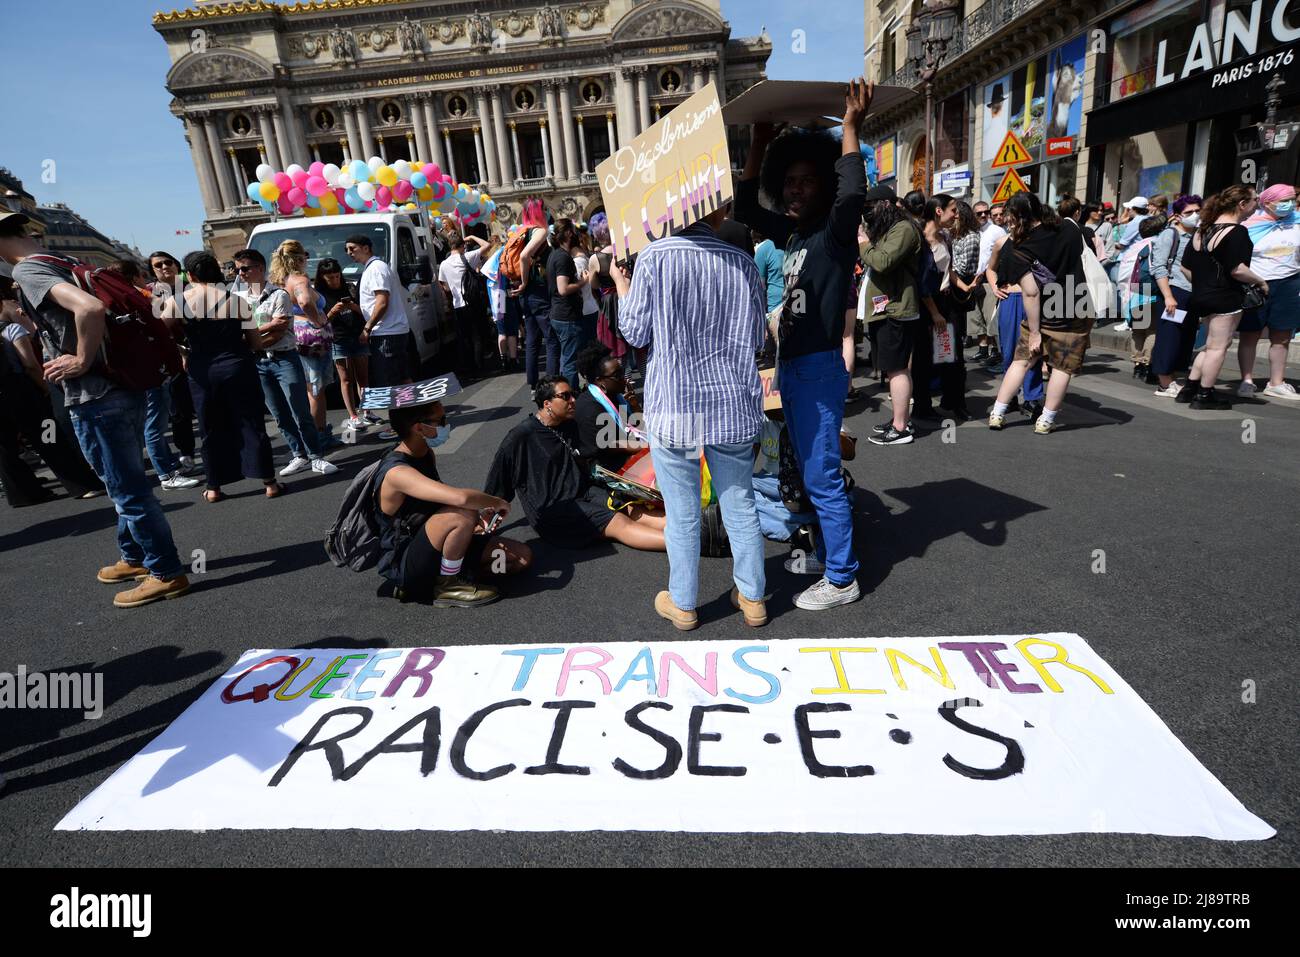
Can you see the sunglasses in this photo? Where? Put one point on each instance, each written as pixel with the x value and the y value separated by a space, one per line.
pixel 243 269
pixel 983 214
pixel 565 396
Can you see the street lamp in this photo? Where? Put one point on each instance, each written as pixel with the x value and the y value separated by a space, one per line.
pixel 928 38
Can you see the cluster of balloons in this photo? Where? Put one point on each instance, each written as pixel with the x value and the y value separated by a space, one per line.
pixel 375 186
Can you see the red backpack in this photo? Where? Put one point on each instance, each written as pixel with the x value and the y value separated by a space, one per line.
pixel 139 350
pixel 511 259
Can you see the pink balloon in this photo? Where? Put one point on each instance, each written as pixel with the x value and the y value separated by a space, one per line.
pixel 300 178
pixel 316 169
pixel 383 196
pixel 317 186
pixel 297 196
pixel 341 195
pixel 402 191
pixel 431 172
pixel 283 181
pixel 286 206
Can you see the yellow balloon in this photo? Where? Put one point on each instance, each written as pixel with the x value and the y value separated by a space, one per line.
pixel 311 212
pixel 386 176
pixel 270 192
pixel 486 198
pixel 425 193
pixel 416 167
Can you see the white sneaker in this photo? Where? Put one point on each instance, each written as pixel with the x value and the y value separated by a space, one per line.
pixel 805 565
pixel 1122 327
pixel 1171 392
pixel 1284 391
pixel 176 480
pixel 297 465
pixel 356 424
pixel 1246 389
pixel 825 595
pixel 323 466
pixel 187 464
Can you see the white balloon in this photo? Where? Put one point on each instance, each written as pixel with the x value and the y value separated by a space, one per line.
pixel 366 191
pixel 331 174
pixel 403 169
pixel 345 181
pixel 374 163
pixel 294 168
pixel 263 173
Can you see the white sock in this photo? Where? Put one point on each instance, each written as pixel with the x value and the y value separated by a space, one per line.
pixel 1000 408
pixel 1048 416
pixel 450 567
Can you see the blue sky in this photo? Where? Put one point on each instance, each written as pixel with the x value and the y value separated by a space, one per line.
pixel 84 88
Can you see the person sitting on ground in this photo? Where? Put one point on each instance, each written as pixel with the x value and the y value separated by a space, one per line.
pixel 606 435
pixel 539 460
pixel 430 529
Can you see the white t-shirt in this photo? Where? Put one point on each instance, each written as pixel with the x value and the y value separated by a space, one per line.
pixel 377 277
pixel 589 304
pixel 1277 253
pixel 990 233
pixel 271 303
pixel 452 272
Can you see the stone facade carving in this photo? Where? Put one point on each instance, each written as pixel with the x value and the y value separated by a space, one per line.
pixel 412 41
pixel 515 24
pixel 378 40
pixel 667 22
pixel 585 17
pixel 479 26
pixel 343 45
pixel 219 67
pixel 445 31
pixel 550 23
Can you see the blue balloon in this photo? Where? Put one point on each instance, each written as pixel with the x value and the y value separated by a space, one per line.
pixel 254 192
pixel 313 201
pixel 353 198
pixel 360 171
pixel 268 206
pixel 437 222
pixel 419 181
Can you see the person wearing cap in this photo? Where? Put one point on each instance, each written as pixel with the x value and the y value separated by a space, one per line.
pixel 429 530
pixel 108 419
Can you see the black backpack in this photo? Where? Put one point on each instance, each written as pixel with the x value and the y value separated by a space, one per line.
pixel 473 289
pixel 353 539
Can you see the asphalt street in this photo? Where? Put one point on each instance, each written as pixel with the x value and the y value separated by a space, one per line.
pixel 990 533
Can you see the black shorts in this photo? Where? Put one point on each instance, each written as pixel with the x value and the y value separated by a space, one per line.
pixel 389 364
pixel 421 563
pixel 578 522
pixel 896 341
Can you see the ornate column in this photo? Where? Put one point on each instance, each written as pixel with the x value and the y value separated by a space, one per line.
pixel 383 152
pixel 363 127
pixel 624 105
pixel 643 98
pixel 553 127
pixel 450 167
pixel 288 147
pixel 713 77
pixel 240 182
pixel 198 140
pixel 415 109
pixel 269 144
pixel 514 145
pixel 353 149
pixel 315 152
pixel 582 145
pixel 490 172
pixel 412 149
pixel 478 151
pixel 566 118
pixel 609 129
pixel 546 148
pixel 224 187
pixel 435 138
pixel 508 173
pixel 698 76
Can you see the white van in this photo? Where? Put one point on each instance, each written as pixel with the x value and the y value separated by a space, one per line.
pixel 397 238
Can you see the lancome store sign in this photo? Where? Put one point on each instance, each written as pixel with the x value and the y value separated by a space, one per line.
pixel 1241 37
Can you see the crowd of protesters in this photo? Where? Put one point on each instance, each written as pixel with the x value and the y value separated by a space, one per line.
pixel 787 283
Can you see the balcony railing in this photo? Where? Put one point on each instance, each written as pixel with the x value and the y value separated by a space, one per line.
pixel 988 20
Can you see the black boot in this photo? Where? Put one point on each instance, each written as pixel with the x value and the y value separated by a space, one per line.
pixel 1209 400
pixel 1188 392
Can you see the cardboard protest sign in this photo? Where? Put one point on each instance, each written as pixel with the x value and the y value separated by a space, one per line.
pixel 672 175
pixel 382 398
pixel 809 103
pixel 1007 734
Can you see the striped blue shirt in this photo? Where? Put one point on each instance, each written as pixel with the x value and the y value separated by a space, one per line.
pixel 698 302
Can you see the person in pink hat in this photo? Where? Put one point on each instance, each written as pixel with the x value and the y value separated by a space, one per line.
pixel 1275 231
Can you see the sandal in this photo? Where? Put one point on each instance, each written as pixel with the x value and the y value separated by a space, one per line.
pixel 214 495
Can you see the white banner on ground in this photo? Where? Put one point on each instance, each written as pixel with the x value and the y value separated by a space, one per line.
pixel 985 735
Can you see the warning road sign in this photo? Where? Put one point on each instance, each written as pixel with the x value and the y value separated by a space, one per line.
pixel 1010 185
pixel 1011 153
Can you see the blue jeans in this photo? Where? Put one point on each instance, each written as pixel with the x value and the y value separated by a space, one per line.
pixel 813 388
pixel 570 336
pixel 677 473
pixel 1011 312
pixel 777 522
pixel 284 386
pixel 157 415
pixel 108 430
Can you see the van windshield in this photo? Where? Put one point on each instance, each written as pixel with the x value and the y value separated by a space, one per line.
pixel 326 242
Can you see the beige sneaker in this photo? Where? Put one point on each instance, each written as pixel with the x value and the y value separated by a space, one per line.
pixel 682 620
pixel 151 590
pixel 122 572
pixel 755 612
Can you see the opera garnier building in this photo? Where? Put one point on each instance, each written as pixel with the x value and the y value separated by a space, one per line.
pixel 517 100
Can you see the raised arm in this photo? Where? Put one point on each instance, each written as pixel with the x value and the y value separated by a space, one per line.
pixel 851 173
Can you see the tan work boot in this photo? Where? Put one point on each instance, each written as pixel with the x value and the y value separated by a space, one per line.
pixel 122 572
pixel 453 591
pixel 755 612
pixel 682 620
pixel 152 589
